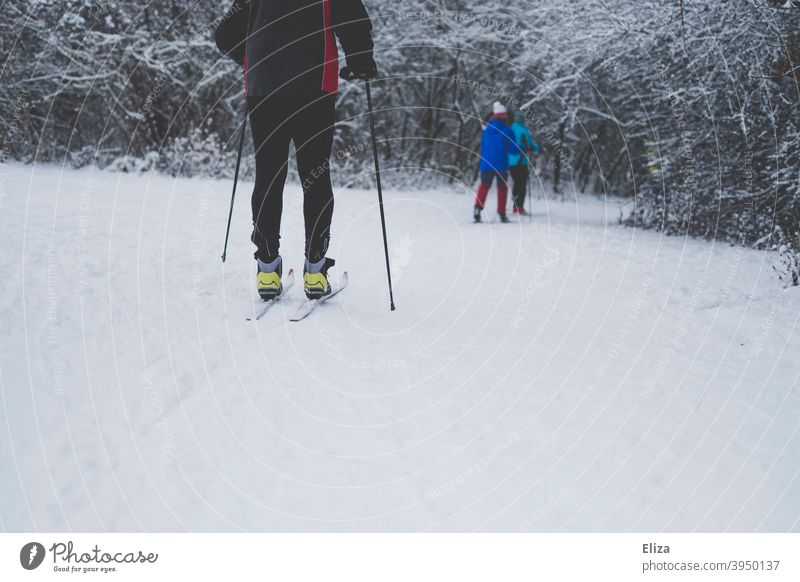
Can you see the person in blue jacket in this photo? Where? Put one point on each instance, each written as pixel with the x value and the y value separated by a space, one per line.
pixel 518 161
pixel 497 142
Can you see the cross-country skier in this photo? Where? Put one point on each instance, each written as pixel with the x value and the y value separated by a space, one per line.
pixel 518 161
pixel 290 60
pixel 497 141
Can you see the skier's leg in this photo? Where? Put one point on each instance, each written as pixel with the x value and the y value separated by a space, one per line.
pixel 480 198
pixel 271 144
pixel 502 192
pixel 483 189
pixel 515 188
pixel 523 186
pixel 312 132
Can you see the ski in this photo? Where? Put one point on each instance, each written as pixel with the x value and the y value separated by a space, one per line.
pixel 309 307
pixel 286 286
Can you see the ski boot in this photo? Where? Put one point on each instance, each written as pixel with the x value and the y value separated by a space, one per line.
pixel 315 278
pixel 521 211
pixel 268 279
pixel 477 214
pixel 503 218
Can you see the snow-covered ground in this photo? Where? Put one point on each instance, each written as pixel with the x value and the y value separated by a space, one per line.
pixel 560 374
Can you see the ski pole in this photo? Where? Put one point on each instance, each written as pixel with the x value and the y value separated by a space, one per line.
pixel 235 180
pixel 380 193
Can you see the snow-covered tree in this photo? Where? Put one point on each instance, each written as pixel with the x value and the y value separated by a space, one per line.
pixel 691 109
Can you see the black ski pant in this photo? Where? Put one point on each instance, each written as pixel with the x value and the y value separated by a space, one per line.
pixel 519 174
pixel 308 121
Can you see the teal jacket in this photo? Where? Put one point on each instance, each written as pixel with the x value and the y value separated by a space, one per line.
pixel 525 142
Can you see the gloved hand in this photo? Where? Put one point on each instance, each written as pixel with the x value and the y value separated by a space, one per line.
pixel 361 67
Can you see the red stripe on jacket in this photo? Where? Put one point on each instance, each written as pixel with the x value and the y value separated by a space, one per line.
pixel 330 70
pixel 244 73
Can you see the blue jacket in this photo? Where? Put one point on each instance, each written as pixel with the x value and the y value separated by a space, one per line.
pixel 497 142
pixel 524 141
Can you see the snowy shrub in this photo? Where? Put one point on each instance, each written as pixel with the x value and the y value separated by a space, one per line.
pixel 82 157
pixel 134 165
pixel 181 156
pixel 787 265
pixel 206 157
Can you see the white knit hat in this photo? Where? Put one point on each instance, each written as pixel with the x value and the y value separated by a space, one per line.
pixel 498 110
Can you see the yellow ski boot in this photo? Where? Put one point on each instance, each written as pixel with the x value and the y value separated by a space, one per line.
pixel 315 278
pixel 268 279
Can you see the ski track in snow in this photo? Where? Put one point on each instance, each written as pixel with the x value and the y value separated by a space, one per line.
pixel 560 374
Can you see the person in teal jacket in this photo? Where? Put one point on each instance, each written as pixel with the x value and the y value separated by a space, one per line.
pixel 518 161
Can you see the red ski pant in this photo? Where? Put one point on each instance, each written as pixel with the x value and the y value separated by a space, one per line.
pixel 487 177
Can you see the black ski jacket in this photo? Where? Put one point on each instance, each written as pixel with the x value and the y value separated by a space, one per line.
pixel 288 46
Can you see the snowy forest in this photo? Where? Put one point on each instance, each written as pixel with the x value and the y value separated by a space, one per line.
pixel 690 109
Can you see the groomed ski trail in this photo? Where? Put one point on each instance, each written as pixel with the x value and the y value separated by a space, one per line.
pixel 564 374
